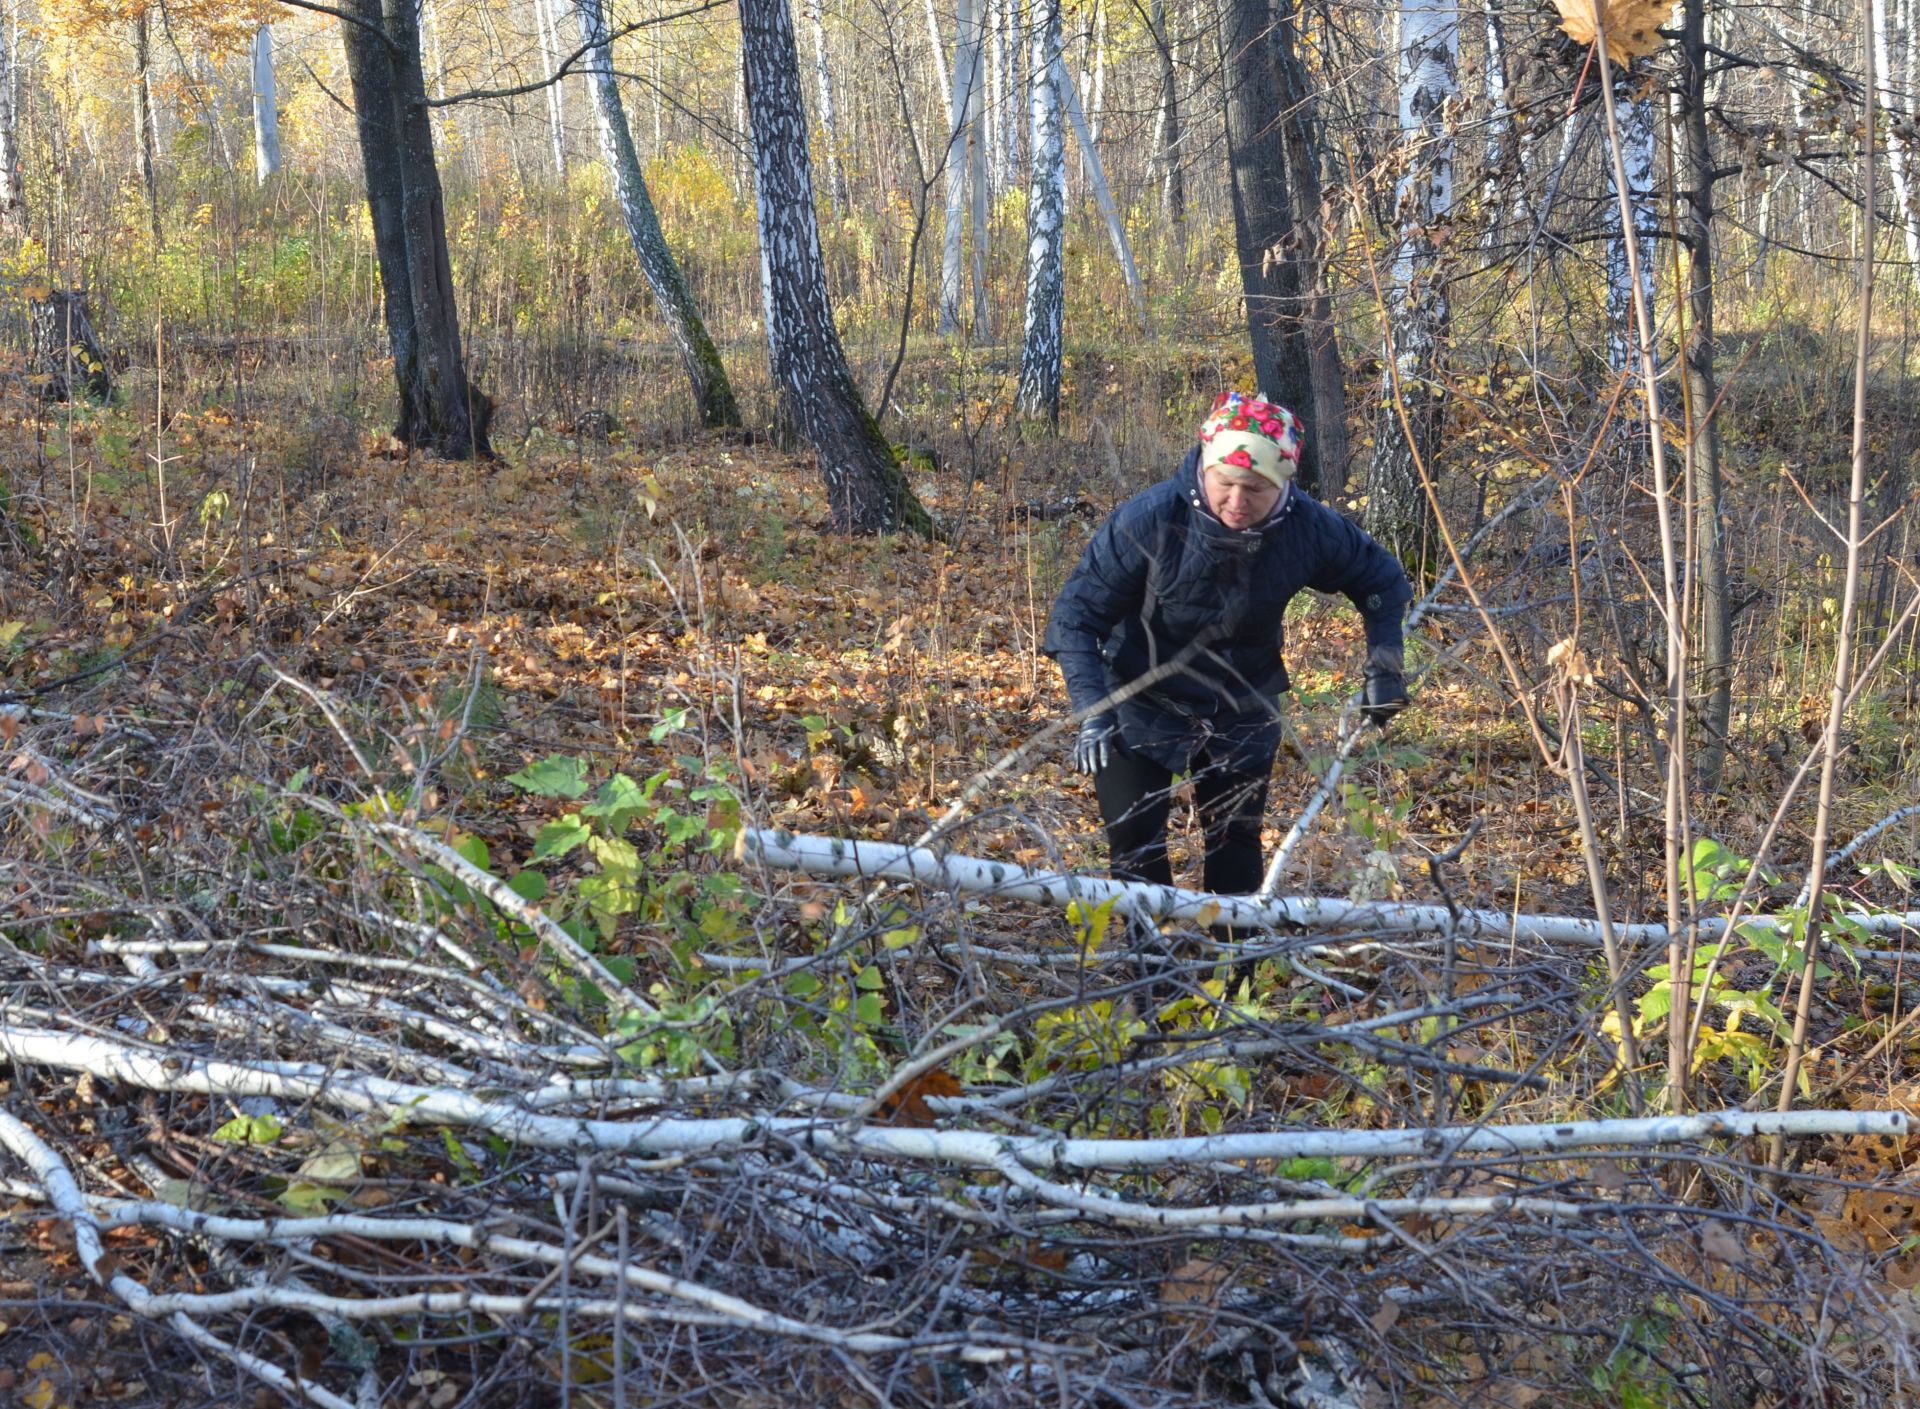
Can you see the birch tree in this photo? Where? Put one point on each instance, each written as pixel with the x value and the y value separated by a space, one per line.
pixel 1899 156
pixel 13 204
pixel 143 118
pixel 1418 309
pixel 712 392
pixel 1636 156
pixel 837 198
pixel 866 490
pixel 1166 144
pixel 546 18
pixel 963 139
pixel 266 108
pixel 1041 347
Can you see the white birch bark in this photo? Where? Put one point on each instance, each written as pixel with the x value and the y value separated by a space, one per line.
pixel 266 108
pixel 829 116
pixel 548 22
pixel 961 137
pixel 1103 193
pixel 12 192
pixel 1097 102
pixel 996 92
pixel 1898 152
pixel 1500 130
pixel 712 392
pixel 1041 347
pixel 1636 155
pixel 937 45
pixel 430 16
pixel 1418 310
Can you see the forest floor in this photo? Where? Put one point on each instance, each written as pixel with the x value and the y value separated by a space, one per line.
pixel 572 597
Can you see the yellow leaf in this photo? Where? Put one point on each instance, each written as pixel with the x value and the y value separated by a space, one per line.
pixel 1632 25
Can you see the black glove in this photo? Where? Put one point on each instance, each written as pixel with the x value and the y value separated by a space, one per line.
pixel 1094 746
pixel 1383 697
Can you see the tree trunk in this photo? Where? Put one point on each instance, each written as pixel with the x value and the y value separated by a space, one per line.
pixel 1263 223
pixel 837 200
pixel 1898 156
pixel 1418 312
pixel 266 108
pixel 1636 155
pixel 1300 128
pixel 1102 192
pixel 143 122
pixel 1041 347
pixel 712 392
pixel 1703 446
pixel 866 490
pixel 437 408
pixel 547 17
pixel 65 348
pixel 1167 148
pixel 13 203
pixel 961 137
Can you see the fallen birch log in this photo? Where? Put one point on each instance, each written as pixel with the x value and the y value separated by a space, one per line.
pixel 836 856
pixel 657 1135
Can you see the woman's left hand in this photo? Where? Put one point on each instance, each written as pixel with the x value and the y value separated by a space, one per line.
pixel 1383 697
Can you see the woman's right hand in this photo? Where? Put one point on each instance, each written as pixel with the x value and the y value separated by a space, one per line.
pixel 1094 746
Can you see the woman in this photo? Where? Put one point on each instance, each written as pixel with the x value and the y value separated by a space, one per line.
pixel 1177 608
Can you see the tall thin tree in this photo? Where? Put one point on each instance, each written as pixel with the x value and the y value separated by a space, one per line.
pixel 712 392
pixel 266 107
pixel 1418 307
pixel 866 489
pixel 1041 350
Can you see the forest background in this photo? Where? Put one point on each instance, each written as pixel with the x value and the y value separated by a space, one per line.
pixel 414 765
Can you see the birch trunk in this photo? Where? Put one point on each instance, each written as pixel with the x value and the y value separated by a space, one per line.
pixel 549 24
pixel 1167 148
pixel 1418 311
pixel 1498 156
pixel 1102 192
pixel 707 376
pixel 266 108
pixel 961 138
pixel 1041 348
pixel 866 490
pixel 829 116
pixel 1898 152
pixel 13 204
pixel 1636 155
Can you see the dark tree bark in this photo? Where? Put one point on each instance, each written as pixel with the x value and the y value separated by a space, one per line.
pixel 866 489
pixel 143 122
pixel 1300 124
pixel 65 348
pixel 1263 221
pixel 1703 460
pixel 438 409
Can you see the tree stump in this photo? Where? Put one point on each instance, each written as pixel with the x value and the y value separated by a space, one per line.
pixel 65 347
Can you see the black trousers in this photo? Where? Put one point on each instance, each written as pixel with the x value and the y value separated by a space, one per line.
pixel 1136 799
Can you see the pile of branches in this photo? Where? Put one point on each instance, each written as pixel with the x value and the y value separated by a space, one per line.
pixel 319 1099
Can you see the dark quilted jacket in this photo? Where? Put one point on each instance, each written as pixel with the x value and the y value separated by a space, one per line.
pixel 1162 575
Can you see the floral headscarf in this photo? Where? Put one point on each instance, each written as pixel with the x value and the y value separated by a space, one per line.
pixel 1251 434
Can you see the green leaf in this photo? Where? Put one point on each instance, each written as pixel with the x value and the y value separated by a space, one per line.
pixel 560 837
pixel 871 1010
pixel 617 858
pixel 803 985
pixel 672 722
pixel 621 966
pixel 304 1199
pixel 900 938
pixel 473 849
pixel 250 1130
pixel 869 978
pixel 619 801
pixel 530 886
pixel 557 776
pixel 457 1153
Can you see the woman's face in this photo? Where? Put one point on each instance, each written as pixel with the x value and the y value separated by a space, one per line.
pixel 1239 500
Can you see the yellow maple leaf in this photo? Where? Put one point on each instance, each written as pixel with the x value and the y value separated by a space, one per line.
pixel 1632 25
